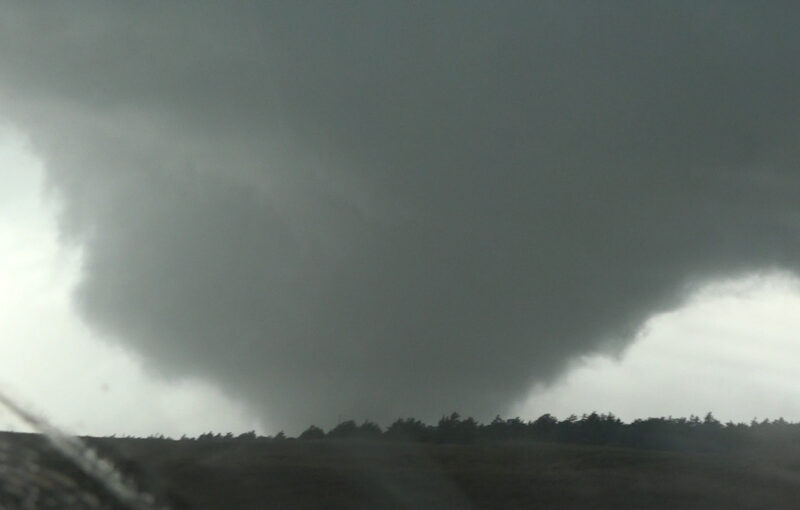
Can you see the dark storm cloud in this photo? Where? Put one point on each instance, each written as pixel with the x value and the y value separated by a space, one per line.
pixel 382 209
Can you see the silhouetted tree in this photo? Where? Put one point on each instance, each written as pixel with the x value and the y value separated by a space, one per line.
pixel 248 436
pixel 693 433
pixel 369 430
pixel 452 429
pixel 346 429
pixel 312 432
pixel 409 429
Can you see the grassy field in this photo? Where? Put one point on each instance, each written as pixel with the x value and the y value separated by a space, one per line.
pixel 346 474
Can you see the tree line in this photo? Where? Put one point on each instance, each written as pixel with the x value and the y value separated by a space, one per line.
pixel 693 433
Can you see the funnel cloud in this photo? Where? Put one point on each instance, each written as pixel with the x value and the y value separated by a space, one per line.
pixel 382 209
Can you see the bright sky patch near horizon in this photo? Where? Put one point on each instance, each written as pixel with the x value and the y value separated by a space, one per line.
pixel 55 364
pixel 731 350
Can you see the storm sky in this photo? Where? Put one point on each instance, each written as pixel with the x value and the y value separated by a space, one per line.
pixel 389 209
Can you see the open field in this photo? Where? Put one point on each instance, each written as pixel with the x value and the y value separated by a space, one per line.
pixel 293 474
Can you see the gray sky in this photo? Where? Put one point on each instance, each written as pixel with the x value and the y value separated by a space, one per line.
pixel 377 210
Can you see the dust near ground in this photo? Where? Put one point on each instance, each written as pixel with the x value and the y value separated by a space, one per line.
pixel 290 474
